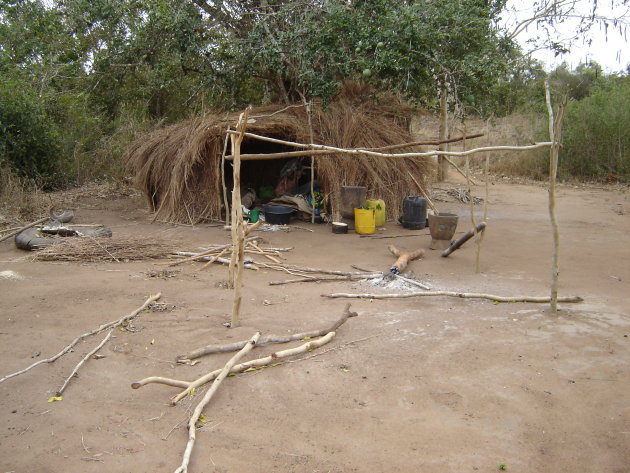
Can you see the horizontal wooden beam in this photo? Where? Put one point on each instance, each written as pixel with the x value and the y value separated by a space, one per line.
pixel 322 150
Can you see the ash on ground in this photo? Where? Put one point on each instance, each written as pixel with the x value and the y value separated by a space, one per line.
pixel 391 282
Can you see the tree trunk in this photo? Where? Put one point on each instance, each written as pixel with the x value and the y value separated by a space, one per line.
pixel 442 170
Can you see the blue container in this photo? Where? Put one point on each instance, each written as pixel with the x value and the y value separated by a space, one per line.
pixel 414 212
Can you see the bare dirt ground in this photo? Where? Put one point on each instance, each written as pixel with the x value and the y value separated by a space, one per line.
pixel 429 384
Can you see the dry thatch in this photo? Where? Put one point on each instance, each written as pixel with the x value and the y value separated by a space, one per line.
pixel 179 167
pixel 105 249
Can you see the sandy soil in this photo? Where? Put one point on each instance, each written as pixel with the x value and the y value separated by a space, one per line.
pixel 429 384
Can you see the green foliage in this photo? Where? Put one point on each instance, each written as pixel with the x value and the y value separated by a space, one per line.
pixel 394 45
pixel 576 84
pixel 28 143
pixel 79 77
pixel 596 142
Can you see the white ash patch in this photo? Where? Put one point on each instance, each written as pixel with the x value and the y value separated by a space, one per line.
pixel 11 275
pixel 392 284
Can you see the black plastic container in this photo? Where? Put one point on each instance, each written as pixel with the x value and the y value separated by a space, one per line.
pixel 414 212
pixel 278 214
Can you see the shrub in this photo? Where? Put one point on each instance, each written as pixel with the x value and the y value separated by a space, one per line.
pixel 596 142
pixel 29 142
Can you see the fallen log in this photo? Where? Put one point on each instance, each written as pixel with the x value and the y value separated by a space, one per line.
pixel 270 339
pixel 465 295
pixel 457 244
pixel 192 428
pixel 403 258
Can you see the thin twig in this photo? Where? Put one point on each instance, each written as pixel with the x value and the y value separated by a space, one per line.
pixel 100 329
pixel 85 358
pixel 32 224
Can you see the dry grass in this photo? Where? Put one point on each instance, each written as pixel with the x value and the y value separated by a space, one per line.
pixel 178 168
pixel 512 130
pixel 20 199
pixel 105 249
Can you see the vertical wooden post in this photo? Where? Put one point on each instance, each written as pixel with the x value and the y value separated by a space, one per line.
pixel 238 226
pixel 310 130
pixel 225 198
pixel 472 198
pixel 486 172
pixel 555 126
pixel 442 165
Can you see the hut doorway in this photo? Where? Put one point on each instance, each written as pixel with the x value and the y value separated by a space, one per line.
pixel 271 178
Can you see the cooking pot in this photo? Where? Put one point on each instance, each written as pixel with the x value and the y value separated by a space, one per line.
pixel 278 214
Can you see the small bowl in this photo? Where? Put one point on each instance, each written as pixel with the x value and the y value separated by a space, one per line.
pixel 339 227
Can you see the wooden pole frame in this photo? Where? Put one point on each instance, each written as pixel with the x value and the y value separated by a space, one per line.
pixel 442 168
pixel 322 150
pixel 223 184
pixel 238 226
pixel 555 126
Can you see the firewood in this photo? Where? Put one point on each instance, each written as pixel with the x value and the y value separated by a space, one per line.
pixel 256 363
pixel 465 295
pixel 269 339
pixel 32 224
pixel 328 279
pixel 192 428
pixel 83 360
pixel 102 328
pixel 214 258
pixel 403 258
pixel 457 244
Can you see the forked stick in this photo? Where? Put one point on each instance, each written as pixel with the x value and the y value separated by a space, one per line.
pixel 403 258
pixel 269 339
pixel 192 430
pixel 178 383
pixel 254 363
pixel 102 328
pixel 255 226
pixel 83 360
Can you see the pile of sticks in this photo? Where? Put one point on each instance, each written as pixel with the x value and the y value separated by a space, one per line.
pixel 188 388
pixel 273 261
pixel 221 254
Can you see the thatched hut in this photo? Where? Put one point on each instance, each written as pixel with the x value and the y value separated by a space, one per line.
pixel 179 167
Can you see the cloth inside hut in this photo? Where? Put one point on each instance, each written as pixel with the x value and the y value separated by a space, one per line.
pixel 296 202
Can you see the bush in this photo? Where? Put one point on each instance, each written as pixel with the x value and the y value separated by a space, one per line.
pixel 596 142
pixel 29 142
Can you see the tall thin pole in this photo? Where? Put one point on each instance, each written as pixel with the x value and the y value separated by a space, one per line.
pixel 228 138
pixel 442 166
pixel 238 227
pixel 486 172
pixel 310 130
pixel 554 132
